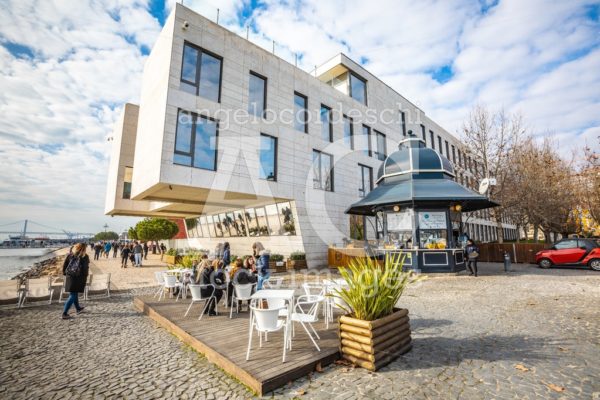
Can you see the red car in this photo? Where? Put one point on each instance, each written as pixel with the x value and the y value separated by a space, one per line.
pixel 577 252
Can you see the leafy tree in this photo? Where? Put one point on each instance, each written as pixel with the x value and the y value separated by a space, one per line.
pixel 132 233
pixel 110 235
pixel 156 229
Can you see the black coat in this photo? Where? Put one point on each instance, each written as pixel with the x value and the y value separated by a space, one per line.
pixel 76 283
pixel 207 277
pixel 243 277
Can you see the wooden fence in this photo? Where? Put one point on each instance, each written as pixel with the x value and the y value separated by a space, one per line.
pixel 519 252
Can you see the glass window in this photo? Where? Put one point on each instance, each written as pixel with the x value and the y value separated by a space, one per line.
pixel 357 227
pixel 127 182
pixel 252 221
pixel 358 88
pixel 300 112
pixel 326 126
pixel 381 151
pixel 268 157
pixel 210 77
pixel 453 154
pixel 224 225
pixel 566 244
pixel 348 132
pixel 323 171
pixel 261 220
pixel 274 223
pixel 201 73
pixel 218 226
pixel 447 149
pixel 203 142
pixel 403 122
pixel 240 223
pixel 287 218
pixel 432 137
pixel 183 136
pixel 364 143
pixel 423 134
pixel 205 229
pixel 232 224
pixel 257 96
pixel 440 149
pixel 211 226
pixel 365 180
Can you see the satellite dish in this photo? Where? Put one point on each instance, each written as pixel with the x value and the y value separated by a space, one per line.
pixel 484 186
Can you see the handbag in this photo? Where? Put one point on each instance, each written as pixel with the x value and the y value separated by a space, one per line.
pixel 473 254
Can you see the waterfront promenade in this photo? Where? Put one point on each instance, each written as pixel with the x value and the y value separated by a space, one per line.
pixel 530 334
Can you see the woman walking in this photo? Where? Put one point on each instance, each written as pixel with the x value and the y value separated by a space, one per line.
pixel 75 269
pixel 472 255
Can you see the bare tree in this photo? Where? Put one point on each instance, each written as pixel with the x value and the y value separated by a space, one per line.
pixel 589 180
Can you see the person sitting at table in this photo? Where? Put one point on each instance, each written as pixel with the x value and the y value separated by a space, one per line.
pixel 250 264
pixel 240 275
pixel 207 277
pixel 203 265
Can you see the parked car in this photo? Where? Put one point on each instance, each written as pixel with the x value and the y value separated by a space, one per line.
pixel 572 251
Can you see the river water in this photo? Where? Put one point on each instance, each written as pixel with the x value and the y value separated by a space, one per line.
pixel 14 261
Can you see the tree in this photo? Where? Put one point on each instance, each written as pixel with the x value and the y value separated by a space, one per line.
pixel 110 235
pixel 589 179
pixel 156 229
pixel 489 144
pixel 132 233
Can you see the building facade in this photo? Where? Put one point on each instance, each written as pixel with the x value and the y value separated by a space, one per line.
pixel 247 147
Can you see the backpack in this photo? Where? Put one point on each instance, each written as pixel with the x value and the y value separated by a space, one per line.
pixel 74 267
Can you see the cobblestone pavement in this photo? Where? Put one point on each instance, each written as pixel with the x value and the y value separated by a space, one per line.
pixel 530 334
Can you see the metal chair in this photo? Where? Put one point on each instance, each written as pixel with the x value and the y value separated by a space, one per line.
pixel 100 283
pixel 240 293
pixel 265 321
pixel 171 282
pixel 307 317
pixel 316 289
pixel 160 280
pixel 11 290
pixel 38 288
pixel 196 291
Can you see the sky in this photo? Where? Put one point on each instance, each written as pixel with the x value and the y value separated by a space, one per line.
pixel 67 68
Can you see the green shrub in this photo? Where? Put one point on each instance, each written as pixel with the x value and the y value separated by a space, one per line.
pixel 298 255
pixel 276 257
pixel 171 252
pixel 373 290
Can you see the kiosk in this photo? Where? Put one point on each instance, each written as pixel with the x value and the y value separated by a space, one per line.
pixel 418 209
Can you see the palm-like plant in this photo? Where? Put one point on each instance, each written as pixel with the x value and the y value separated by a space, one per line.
pixel 374 290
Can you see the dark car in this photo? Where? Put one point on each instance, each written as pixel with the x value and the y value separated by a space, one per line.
pixel 572 251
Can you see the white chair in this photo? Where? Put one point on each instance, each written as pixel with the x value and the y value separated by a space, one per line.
pixel 307 317
pixel 11 291
pixel 100 283
pixel 38 288
pixel 273 283
pixel 160 280
pixel 62 289
pixel 240 293
pixel 196 291
pixel 88 282
pixel 171 282
pixel 319 289
pixel 265 321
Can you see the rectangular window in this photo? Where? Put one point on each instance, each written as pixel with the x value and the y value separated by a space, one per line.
pixel 403 122
pixel 257 96
pixel 447 149
pixel 261 220
pixel 287 218
pixel 348 132
pixel 423 134
pixel 381 149
pixel 300 112
pixel 201 72
pixel 365 179
pixel 326 126
pixel 322 171
pixel 365 141
pixel 268 157
pixel 454 155
pixel 459 158
pixel 358 88
pixel 275 227
pixel 240 223
pixel 196 141
pixel 127 182
pixel 440 149
pixel 432 137
pixel 206 231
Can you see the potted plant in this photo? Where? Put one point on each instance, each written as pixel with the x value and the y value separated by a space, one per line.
pixel 276 263
pixel 297 260
pixel 171 257
pixel 374 332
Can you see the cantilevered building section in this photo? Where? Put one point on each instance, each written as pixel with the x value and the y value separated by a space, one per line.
pixel 285 174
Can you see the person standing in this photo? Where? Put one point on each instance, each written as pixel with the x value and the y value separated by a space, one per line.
pixel 262 263
pixel 145 247
pixel 107 248
pixel 138 252
pixel 75 269
pixel 472 255
pixel 115 248
pixel 226 254
pixel 97 250
pixel 125 252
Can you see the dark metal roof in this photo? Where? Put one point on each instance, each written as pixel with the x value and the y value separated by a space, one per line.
pixel 434 192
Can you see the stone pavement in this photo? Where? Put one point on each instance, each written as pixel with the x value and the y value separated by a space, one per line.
pixel 130 277
pixel 529 334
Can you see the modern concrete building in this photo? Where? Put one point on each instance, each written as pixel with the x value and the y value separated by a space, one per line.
pixel 248 147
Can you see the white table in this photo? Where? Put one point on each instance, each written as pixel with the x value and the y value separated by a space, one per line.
pixel 266 294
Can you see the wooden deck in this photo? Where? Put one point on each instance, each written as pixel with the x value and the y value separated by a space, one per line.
pixel 224 342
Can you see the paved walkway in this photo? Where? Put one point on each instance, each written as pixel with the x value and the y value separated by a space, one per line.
pixel 530 334
pixel 130 277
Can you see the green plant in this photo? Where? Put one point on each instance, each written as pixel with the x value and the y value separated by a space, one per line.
pixel 276 257
pixel 188 260
pixel 374 290
pixel 110 235
pixel 171 252
pixel 298 255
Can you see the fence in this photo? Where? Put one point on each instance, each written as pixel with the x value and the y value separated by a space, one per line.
pixel 519 252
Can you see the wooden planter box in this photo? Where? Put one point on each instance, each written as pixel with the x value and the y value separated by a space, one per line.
pixel 277 266
pixel 172 259
pixel 374 344
pixel 296 264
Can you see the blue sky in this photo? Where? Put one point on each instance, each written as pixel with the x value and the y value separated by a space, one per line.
pixel 65 74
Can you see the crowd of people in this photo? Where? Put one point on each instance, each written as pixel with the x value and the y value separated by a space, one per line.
pixel 214 271
pixel 131 251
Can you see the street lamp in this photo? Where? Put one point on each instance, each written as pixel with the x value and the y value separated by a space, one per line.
pixel 105 227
